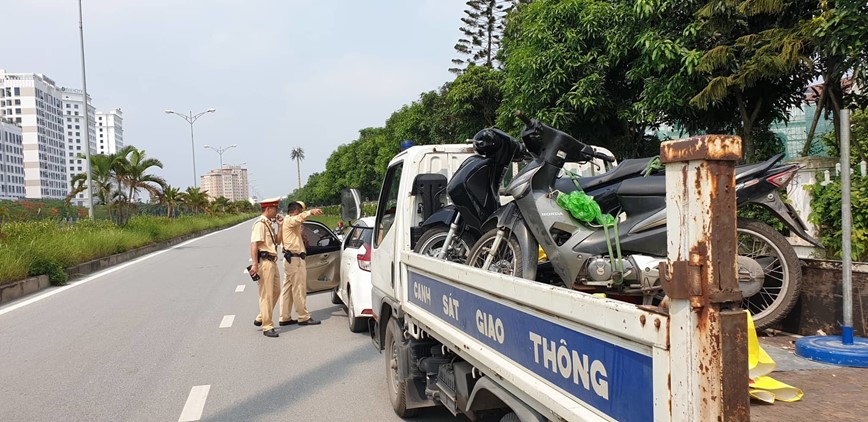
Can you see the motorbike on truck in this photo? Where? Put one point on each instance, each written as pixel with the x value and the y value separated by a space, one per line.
pixel 581 254
pixel 474 192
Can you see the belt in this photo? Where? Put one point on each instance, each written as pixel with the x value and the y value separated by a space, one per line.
pixel 268 256
pixel 288 255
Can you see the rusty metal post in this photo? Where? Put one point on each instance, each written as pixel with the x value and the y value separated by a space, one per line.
pixel 707 331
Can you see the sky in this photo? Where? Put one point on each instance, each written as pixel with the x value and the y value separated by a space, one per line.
pixel 280 73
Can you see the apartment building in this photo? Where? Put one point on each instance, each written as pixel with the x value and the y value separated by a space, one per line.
pixel 110 131
pixel 11 160
pixel 230 182
pixel 33 101
pixel 73 112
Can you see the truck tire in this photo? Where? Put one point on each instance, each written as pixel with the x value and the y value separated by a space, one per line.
pixel 397 387
pixel 510 417
pixel 432 240
pixel 783 272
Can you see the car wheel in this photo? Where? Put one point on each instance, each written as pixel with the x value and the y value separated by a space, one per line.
pixel 357 325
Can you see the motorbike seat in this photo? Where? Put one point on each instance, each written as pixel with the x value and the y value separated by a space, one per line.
pixel 631 167
pixel 643 186
pixel 749 170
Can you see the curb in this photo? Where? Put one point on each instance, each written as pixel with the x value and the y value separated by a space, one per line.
pixel 27 286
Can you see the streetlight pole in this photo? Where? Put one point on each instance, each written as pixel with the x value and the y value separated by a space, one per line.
pixel 191 119
pixel 220 151
pixel 86 117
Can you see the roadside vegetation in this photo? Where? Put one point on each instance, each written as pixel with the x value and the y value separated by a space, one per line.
pixel 45 236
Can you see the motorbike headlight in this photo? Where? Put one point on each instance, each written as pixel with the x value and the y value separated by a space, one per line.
pixel 520 186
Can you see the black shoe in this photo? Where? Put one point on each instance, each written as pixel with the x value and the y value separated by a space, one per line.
pixel 310 321
pixel 290 322
pixel 271 333
pixel 257 323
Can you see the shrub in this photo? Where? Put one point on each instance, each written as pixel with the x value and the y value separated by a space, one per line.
pixel 54 270
pixel 826 215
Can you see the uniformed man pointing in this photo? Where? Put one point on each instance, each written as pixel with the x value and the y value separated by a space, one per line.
pixel 263 253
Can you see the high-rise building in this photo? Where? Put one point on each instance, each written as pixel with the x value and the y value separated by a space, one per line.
pixel 110 131
pixel 11 160
pixel 229 182
pixel 33 101
pixel 73 112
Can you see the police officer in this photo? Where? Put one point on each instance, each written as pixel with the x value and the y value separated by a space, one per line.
pixel 295 272
pixel 263 253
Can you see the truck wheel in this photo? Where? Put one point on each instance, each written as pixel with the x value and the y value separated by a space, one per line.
pixel 432 241
pixel 783 272
pixel 357 325
pixel 510 417
pixel 397 387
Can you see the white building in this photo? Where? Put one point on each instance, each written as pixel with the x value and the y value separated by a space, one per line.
pixel 110 131
pixel 11 160
pixel 73 112
pixel 230 182
pixel 33 101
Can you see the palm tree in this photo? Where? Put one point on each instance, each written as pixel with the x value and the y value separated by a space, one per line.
pixel 103 170
pixel 196 199
pixel 297 154
pixel 132 172
pixel 221 202
pixel 170 197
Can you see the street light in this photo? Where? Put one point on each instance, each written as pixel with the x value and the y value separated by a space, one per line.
pixel 86 116
pixel 221 151
pixel 192 119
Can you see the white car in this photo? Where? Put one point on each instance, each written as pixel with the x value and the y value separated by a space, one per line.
pixel 354 288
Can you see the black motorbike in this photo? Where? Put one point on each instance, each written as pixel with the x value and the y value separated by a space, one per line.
pixel 579 253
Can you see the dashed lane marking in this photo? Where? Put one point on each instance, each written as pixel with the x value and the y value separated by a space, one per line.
pixel 240 288
pixel 227 321
pixel 195 403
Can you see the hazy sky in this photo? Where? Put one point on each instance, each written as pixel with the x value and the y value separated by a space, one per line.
pixel 281 73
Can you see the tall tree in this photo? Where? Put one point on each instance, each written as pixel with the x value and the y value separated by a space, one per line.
pixel 297 154
pixel 170 197
pixel 747 65
pixel 482 31
pixel 567 63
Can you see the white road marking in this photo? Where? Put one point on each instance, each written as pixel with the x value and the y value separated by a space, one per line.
pixel 106 272
pixel 240 288
pixel 227 321
pixel 195 403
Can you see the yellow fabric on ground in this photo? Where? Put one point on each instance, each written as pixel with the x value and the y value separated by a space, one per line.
pixel 761 364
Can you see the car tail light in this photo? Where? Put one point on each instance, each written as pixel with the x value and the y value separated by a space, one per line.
pixel 365 258
pixel 782 179
pixel 367 312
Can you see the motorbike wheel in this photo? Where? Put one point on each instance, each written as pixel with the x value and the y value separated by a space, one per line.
pixel 507 259
pixel 783 273
pixel 432 240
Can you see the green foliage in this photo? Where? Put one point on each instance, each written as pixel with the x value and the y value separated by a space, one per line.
pixel 826 215
pixel 40 247
pixel 56 275
pixel 482 31
pixel 567 63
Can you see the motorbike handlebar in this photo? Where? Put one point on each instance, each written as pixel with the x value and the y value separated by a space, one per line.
pixel 523 117
pixel 604 157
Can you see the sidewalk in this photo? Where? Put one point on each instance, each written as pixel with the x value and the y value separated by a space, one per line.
pixel 832 393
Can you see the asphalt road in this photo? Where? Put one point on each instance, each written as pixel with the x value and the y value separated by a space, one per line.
pixel 143 341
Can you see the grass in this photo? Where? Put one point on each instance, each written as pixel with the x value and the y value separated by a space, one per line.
pixel 35 247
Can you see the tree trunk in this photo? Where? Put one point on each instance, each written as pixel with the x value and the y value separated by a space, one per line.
pixel 298 170
pixel 821 104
